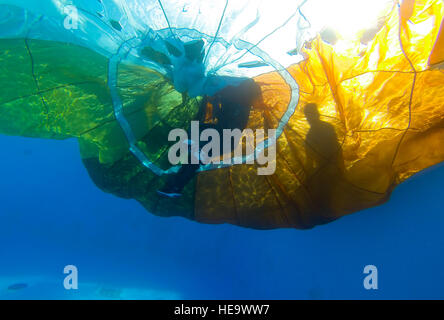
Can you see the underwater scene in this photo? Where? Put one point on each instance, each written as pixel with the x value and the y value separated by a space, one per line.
pixel 221 149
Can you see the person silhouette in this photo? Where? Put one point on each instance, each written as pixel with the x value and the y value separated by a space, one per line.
pixel 230 109
pixel 324 163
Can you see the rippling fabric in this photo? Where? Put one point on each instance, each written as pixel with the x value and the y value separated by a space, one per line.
pixel 353 120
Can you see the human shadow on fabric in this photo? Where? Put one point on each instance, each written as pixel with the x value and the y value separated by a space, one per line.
pixel 324 165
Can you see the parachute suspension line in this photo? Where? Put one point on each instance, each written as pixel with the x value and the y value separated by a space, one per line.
pixel 217 32
pixel 303 15
pixel 268 35
pixel 166 18
pixel 110 29
pixel 304 18
pixel 220 64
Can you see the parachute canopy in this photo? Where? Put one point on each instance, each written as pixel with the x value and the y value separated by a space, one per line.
pixel 356 113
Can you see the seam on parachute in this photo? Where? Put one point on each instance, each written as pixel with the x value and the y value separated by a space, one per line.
pixel 290 145
pixel 386 71
pixel 411 92
pixel 266 122
pixel 437 64
pixel 380 129
pixel 283 214
pixel 286 195
pixel 98 126
pixel 336 94
pixel 291 148
pixel 343 177
pixel 169 113
pixel 333 92
pixel 35 79
pixel 163 121
pixel 110 120
pixel 45 91
pixel 273 112
pixel 291 169
pixel 155 126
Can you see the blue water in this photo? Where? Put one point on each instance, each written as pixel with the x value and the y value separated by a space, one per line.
pixel 51 215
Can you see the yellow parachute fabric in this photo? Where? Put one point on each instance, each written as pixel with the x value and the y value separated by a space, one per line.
pixel 381 107
pixel 437 56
